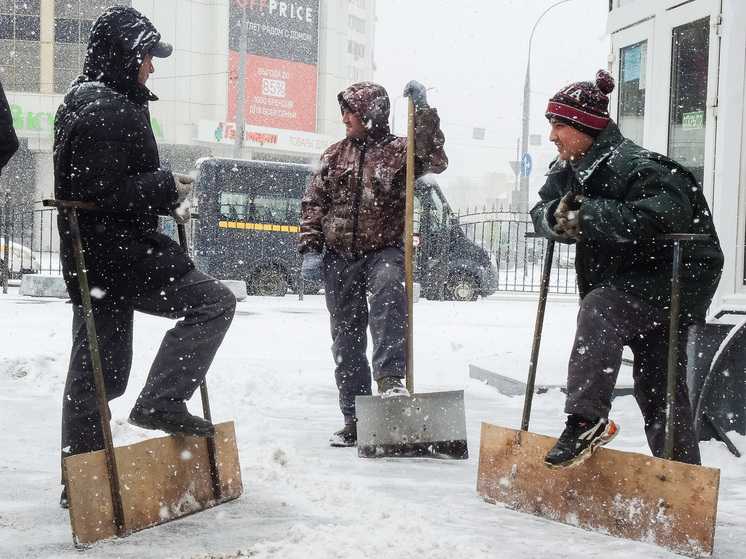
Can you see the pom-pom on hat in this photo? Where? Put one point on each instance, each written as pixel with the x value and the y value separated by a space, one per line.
pixel 584 105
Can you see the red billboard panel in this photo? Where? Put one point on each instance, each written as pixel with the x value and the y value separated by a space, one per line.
pixel 279 94
pixel 282 42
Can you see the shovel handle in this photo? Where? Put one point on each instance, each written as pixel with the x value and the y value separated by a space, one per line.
pixel 69 210
pixel 217 489
pixel 409 246
pixel 543 291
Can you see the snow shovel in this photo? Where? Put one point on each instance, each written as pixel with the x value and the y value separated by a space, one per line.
pixel 422 425
pixel 118 491
pixel 624 494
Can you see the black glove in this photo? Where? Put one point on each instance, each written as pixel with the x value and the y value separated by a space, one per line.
pixel 567 213
pixel 417 92
pixel 312 268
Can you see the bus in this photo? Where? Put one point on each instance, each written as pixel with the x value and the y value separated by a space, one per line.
pixel 248 226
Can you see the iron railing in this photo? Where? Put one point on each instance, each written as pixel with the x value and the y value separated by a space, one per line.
pixel 31 231
pixel 518 258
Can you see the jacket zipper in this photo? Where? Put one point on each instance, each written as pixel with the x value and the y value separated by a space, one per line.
pixel 358 196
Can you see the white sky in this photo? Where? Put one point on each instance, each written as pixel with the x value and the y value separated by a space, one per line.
pixel 473 53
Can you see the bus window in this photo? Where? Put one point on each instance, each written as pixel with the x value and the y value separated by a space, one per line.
pixel 277 210
pixel 233 206
pixel 417 213
pixel 436 212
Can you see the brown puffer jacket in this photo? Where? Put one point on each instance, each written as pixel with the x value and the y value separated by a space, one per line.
pixel 355 202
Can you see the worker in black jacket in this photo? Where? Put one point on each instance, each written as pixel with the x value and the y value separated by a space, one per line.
pixel 105 153
pixel 8 138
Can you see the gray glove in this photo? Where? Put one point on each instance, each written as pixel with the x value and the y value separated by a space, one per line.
pixel 566 215
pixel 417 92
pixel 182 212
pixel 312 269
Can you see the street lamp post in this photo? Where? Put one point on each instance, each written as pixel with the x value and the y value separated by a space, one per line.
pixel 241 99
pixel 393 114
pixel 393 109
pixel 522 204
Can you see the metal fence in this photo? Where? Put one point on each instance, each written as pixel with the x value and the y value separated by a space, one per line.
pixel 28 240
pixel 30 233
pixel 519 259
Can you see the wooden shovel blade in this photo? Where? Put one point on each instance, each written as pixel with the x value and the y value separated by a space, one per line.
pixel 161 479
pixel 633 496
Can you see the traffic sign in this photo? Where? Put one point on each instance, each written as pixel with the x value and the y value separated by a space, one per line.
pixel 526 165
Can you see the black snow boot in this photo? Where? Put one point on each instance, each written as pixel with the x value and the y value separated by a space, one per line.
pixel 578 441
pixel 172 422
pixel 346 436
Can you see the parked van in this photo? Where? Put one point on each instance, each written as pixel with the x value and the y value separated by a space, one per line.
pixel 249 214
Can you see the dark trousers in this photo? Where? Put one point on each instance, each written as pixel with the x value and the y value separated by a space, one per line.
pixel 608 320
pixel 346 282
pixel 186 352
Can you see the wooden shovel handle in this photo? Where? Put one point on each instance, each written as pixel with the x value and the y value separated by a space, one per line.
pixel 409 246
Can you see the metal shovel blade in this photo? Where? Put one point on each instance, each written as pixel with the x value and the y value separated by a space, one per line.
pixel 431 425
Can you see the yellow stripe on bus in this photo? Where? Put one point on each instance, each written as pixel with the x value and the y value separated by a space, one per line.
pixel 259 226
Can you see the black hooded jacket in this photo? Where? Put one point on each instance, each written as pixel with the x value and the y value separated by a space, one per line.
pixel 105 153
pixel 8 138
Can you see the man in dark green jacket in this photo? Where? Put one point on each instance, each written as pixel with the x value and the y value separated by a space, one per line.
pixel 612 198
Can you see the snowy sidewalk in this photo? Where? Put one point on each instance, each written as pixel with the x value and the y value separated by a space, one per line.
pixel 273 377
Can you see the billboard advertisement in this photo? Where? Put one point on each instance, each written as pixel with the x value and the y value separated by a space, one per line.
pixel 282 43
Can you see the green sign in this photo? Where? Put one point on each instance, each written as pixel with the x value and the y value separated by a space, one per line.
pixel 693 121
pixel 41 122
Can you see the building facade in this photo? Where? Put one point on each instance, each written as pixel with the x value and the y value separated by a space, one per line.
pixel 298 55
pixel 681 70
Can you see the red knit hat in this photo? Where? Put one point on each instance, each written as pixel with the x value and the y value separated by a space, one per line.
pixel 584 105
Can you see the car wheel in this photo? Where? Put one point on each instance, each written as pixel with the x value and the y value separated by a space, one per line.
pixel 269 281
pixel 462 287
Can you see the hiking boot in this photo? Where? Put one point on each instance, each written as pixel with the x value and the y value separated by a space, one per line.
pixel 578 441
pixel 346 436
pixel 391 387
pixel 172 422
pixel 64 503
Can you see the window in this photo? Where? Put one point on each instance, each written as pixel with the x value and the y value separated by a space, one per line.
pixel 356 49
pixel 275 210
pixel 354 74
pixel 632 87
pixel 73 20
pixel 688 105
pixel 436 212
pixel 356 23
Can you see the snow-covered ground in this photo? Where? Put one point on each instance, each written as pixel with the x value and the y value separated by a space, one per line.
pixel 303 499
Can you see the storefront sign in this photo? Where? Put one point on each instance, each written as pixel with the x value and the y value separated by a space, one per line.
pixel 262 137
pixel 39 123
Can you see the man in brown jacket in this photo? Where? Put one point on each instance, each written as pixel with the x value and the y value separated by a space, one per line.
pixel 354 207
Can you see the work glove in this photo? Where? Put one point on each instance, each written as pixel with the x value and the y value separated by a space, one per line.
pixel 566 215
pixel 416 91
pixel 312 269
pixel 182 212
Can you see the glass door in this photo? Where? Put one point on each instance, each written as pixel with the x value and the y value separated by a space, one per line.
pixel 688 105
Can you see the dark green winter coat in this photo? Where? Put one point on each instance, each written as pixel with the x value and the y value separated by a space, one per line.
pixel 635 195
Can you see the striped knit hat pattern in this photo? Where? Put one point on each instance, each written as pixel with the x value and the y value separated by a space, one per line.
pixel 584 105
